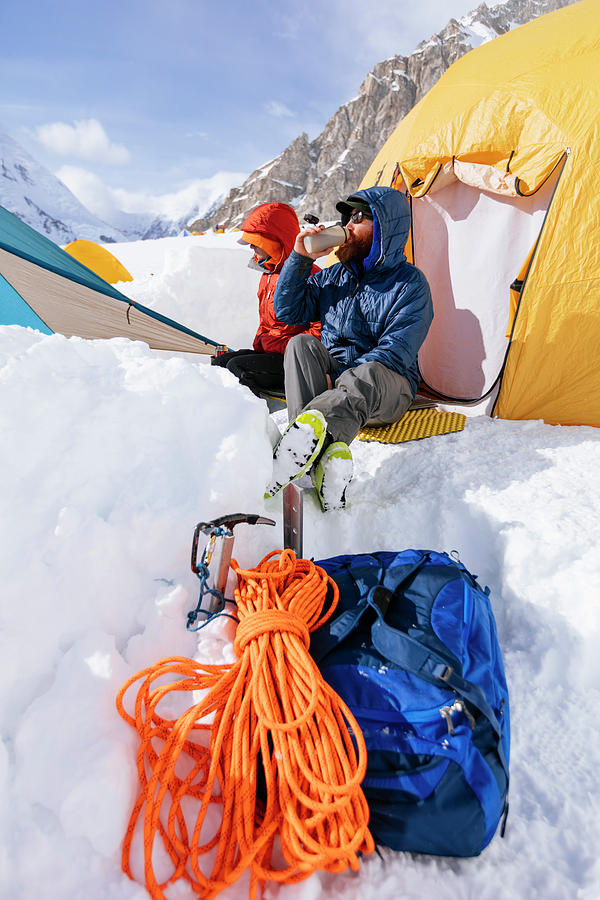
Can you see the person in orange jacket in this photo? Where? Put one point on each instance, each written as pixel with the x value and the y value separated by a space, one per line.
pixel 271 231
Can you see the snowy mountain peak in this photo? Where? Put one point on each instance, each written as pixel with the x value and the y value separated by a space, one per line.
pixel 40 199
pixel 44 202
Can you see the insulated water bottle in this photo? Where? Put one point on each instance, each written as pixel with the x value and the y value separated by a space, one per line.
pixel 326 239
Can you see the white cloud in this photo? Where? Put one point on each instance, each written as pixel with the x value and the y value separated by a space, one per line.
pixel 85 139
pixel 197 196
pixel 279 110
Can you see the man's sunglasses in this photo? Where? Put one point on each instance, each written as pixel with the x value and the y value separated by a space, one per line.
pixel 358 216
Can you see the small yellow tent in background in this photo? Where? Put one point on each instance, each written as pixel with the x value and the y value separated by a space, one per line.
pixel 99 260
pixel 502 156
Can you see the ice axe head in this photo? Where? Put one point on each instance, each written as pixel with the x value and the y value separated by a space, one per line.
pixel 213 568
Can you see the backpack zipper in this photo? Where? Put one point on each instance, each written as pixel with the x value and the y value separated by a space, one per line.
pixel 397 717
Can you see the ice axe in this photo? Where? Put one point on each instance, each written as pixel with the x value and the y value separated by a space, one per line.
pixel 213 568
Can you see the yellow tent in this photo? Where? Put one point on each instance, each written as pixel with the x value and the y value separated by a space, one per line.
pixel 99 260
pixel 500 158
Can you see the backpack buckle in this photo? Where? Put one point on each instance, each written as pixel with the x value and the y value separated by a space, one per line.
pixel 444 673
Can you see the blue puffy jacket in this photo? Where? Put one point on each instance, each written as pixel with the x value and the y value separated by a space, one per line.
pixel 380 315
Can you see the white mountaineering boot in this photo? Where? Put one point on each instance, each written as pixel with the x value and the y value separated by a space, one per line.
pixel 332 474
pixel 297 449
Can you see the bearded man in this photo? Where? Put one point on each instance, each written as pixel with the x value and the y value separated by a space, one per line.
pixel 375 310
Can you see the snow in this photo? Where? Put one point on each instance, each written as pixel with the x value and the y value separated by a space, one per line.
pixel 264 170
pixel 297 187
pixel 111 453
pixel 297 447
pixel 337 470
pixel 476 33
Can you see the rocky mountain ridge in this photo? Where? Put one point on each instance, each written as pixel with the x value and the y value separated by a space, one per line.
pixel 310 175
pixel 313 175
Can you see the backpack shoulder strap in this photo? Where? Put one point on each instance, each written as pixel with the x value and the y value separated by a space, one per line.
pixel 414 657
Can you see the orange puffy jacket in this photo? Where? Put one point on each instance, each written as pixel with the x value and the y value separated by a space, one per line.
pixel 275 222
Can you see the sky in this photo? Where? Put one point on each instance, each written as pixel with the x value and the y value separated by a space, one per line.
pixel 110 455
pixel 146 104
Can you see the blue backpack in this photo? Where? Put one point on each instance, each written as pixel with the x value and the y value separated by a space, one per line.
pixel 413 651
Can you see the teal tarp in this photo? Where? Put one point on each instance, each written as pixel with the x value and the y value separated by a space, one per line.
pixel 18 238
pixel 13 309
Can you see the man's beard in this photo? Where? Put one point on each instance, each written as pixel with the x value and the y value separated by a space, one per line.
pixel 355 249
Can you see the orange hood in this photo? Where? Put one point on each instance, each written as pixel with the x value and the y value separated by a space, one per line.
pixel 273 222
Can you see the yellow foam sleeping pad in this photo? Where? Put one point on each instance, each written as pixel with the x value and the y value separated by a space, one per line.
pixel 415 424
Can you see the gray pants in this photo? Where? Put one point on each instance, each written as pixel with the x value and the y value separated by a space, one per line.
pixel 366 394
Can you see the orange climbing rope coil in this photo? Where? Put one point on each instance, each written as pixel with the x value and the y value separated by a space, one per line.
pixel 269 746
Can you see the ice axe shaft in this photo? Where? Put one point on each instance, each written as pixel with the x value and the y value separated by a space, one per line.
pixel 218 565
pixel 293 518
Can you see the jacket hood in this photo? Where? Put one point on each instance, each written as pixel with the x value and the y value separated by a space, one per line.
pixel 391 226
pixel 275 221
